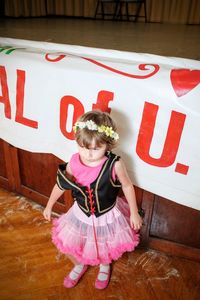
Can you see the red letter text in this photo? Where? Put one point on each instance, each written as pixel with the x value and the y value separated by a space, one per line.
pixel 172 140
pixel 5 94
pixel 20 102
pixel 78 111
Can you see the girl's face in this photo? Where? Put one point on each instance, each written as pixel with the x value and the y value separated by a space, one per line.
pixel 92 155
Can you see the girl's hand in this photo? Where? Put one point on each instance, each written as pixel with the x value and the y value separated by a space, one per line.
pixel 136 221
pixel 47 213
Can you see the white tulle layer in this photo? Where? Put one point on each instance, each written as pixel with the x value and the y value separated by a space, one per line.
pixel 94 240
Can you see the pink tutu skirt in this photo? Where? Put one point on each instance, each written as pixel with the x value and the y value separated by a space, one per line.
pixel 94 240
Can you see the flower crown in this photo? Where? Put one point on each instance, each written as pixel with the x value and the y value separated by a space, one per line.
pixel 91 125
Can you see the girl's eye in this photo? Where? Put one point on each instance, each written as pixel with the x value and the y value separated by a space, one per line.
pixel 95 149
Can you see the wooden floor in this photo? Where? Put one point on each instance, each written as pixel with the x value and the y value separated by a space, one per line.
pixel 153 38
pixel 32 269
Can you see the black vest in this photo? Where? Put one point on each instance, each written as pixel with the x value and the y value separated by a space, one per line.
pixel 101 196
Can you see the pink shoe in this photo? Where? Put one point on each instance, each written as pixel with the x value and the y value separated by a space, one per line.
pixel 102 284
pixel 69 283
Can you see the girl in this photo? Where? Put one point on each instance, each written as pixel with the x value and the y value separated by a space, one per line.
pixel 100 226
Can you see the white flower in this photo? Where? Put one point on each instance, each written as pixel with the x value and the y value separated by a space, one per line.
pixel 115 136
pixel 91 125
pixel 81 125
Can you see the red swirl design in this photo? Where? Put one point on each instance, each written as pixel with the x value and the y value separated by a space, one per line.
pixel 58 58
pixel 142 67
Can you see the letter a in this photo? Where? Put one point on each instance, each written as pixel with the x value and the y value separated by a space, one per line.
pixel 5 94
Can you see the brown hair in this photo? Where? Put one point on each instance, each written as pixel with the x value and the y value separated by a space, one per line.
pixel 85 136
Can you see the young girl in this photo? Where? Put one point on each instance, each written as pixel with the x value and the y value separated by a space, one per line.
pixel 100 226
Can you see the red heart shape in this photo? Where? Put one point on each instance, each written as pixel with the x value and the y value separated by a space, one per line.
pixel 184 80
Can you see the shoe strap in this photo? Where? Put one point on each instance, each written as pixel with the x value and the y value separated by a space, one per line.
pixel 106 273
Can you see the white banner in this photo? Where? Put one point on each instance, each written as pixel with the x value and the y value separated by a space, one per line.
pixel 155 101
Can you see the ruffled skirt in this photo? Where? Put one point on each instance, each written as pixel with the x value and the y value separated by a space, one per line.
pixel 93 240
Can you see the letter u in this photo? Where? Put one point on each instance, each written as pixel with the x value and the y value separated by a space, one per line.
pixel 172 139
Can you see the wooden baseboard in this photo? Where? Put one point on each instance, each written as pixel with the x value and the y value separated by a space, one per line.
pixel 41 199
pixel 4 183
pixel 175 249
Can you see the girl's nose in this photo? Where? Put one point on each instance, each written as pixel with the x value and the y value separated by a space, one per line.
pixel 90 152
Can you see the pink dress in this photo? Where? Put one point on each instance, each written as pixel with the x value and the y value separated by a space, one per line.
pixel 93 240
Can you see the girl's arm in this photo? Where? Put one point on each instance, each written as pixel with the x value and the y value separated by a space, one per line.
pixel 55 195
pixel 129 192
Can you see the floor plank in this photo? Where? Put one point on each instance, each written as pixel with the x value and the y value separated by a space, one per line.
pixel 153 38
